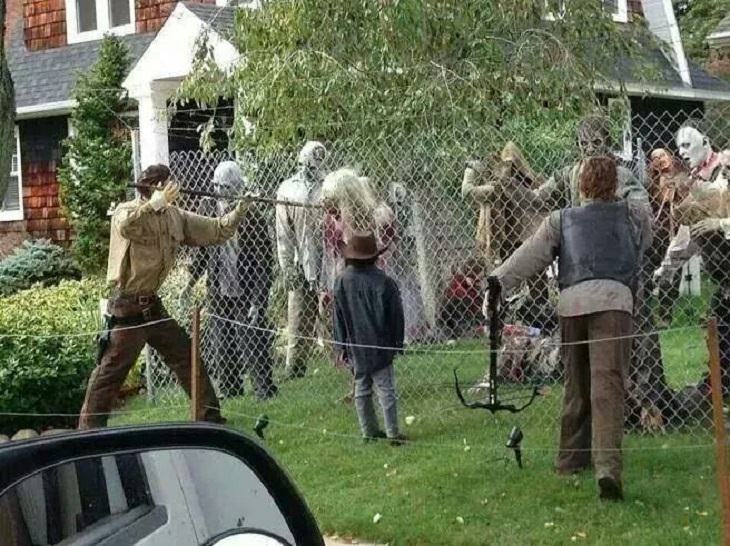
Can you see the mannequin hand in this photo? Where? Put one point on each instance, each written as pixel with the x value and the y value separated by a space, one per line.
pixel 165 196
pixel 254 313
pixel 708 225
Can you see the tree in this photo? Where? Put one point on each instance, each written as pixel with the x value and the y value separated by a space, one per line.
pixel 7 110
pixel 697 19
pixel 373 71
pixel 98 155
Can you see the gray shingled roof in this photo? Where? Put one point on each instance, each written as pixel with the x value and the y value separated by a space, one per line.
pixel 652 67
pixel 220 18
pixel 50 75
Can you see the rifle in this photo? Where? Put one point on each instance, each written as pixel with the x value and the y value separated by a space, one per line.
pixel 201 193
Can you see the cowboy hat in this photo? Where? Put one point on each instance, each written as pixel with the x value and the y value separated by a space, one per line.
pixel 361 246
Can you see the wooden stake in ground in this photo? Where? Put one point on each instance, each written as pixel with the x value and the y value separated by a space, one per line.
pixel 196 404
pixel 713 345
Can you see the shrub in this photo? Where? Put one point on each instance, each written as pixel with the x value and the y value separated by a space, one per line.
pixel 47 374
pixel 98 159
pixel 34 262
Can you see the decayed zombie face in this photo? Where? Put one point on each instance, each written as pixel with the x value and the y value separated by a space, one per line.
pixel 693 146
pixel 228 179
pixel 593 136
pixel 661 160
pixel 312 156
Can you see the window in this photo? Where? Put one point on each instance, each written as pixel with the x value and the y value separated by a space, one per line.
pixel 12 205
pixel 91 19
pixel 619 9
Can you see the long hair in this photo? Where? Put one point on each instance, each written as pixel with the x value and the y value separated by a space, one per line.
pixel 599 178
pixel 352 195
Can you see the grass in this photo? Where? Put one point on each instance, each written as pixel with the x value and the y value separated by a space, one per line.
pixel 456 484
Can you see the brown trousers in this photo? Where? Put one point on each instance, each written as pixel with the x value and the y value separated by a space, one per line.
pixel 595 387
pixel 125 345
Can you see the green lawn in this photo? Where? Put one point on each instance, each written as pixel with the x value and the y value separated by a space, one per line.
pixel 457 484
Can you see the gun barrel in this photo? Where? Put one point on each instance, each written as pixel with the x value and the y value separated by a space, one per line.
pixel 258 199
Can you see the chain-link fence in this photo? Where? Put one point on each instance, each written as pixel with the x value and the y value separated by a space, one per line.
pixel 268 335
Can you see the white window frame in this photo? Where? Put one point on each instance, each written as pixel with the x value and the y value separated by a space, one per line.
pixel 103 18
pixel 15 215
pixel 621 16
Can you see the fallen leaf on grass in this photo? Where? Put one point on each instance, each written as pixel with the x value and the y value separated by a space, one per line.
pixel 377 517
pixel 485 501
pixel 460 520
pixel 391 473
pixel 703 514
pixel 410 420
pixel 549 524
pixel 581 534
pixel 467 448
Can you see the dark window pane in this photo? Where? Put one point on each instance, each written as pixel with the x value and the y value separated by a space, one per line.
pixel 119 12
pixel 86 14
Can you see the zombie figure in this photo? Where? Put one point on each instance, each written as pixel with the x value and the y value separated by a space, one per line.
pixel 406 261
pixel 598 278
pixel 299 249
pixel 146 234
pixel 239 276
pixel 350 206
pixel 505 221
pixel 707 211
pixel 669 184
pixel 460 311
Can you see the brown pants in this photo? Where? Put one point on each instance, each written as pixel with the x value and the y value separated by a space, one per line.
pixel 595 378
pixel 125 345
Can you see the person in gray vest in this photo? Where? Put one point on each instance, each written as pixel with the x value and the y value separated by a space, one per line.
pixel 599 247
pixel 238 334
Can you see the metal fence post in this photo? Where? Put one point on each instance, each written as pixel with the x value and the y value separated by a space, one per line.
pixel 720 432
pixel 195 398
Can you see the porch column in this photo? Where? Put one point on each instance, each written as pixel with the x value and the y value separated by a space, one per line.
pixel 153 137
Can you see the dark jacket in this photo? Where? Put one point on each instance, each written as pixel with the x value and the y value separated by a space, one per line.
pixel 368 312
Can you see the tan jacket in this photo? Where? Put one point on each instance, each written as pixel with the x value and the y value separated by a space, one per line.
pixel 143 243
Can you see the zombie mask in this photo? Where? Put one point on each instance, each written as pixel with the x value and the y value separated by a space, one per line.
pixel 594 136
pixel 661 160
pixel 229 180
pixel 311 157
pixel 693 146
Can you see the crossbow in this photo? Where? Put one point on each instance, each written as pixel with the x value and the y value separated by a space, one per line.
pixel 493 403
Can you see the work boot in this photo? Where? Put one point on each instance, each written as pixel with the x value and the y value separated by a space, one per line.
pixel 378 435
pixel 610 489
pixel 398 440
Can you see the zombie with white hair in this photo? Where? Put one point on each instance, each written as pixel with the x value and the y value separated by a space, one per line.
pixel 299 249
pixel 351 206
pixel 239 278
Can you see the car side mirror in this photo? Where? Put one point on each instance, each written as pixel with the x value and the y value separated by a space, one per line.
pixel 160 485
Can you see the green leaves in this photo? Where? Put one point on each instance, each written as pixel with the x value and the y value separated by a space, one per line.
pixel 35 262
pixel 98 157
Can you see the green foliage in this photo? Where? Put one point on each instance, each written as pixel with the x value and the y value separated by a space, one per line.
pixel 47 374
pixel 408 71
pixel 697 20
pixel 33 262
pixel 98 159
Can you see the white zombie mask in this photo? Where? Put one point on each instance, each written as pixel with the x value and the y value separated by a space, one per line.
pixel 312 156
pixel 228 179
pixel 693 146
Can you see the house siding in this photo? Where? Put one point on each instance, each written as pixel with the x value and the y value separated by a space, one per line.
pixel 40 149
pixel 44 24
pixel 150 15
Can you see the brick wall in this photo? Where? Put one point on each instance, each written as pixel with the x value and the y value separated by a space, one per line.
pixel 150 15
pixel 44 24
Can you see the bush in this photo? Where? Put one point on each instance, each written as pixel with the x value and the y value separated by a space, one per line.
pixel 47 374
pixel 98 156
pixel 34 262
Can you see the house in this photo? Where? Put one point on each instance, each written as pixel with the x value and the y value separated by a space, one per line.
pixel 51 41
pixel 719 42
